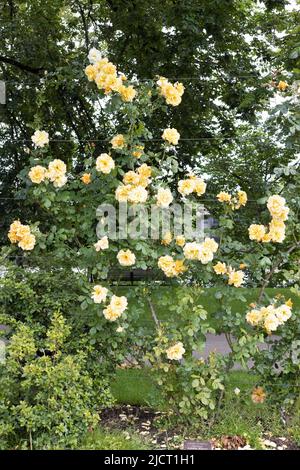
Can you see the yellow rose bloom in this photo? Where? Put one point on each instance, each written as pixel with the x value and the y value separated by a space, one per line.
pixel 276 206
pixel 199 186
pixel 242 198
pixel 13 231
pixel 167 239
pixel 137 195
pixel 126 258
pixel 138 151
pixel 258 395
pixel 171 135
pixel 235 278
pixel 118 304
pixel 122 192
pixel 256 232
pixel 254 317
pixel 40 138
pixel 164 197
pixel 176 352
pixel 37 174
pixel 127 93
pixel 86 178
pixel 210 244
pixel 102 244
pixel 105 164
pixel 289 303
pixel 99 294
pixel 179 267
pixel 145 171
pixel 166 264
pixel 111 314
pixel 283 313
pixel 180 240
pixel 186 187
pixel 192 250
pixel 131 178
pixel 118 141
pixel 27 242
pixel 59 181
pixel 91 72
pixel 171 93
pixel 282 85
pixel 277 231
pixel 56 169
pixel 220 268
pixel 271 322
pixel 205 254
pixel 224 197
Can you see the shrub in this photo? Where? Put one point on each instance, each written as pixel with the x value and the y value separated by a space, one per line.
pixel 48 399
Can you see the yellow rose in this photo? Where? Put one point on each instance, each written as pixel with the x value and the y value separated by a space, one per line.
pixel 59 181
pixel 99 294
pixel 86 178
pixel 257 232
pixel 102 244
pixel 111 314
pixel 176 352
pixel 131 178
pixel 105 164
pixel 205 254
pixel 40 138
pixel 37 174
pixel 210 244
pixel 164 197
pixel 122 192
pixel 235 278
pixel 180 240
pixel 186 187
pixel 242 198
pixel 220 268
pixel 127 93
pixel 138 151
pixel 137 195
pixel 56 169
pixel 271 322
pixel 145 171
pixel 199 186
pixel 192 250
pixel 118 304
pixel 166 264
pixel 167 238
pixel 179 267
pixel 27 242
pixel 254 317
pixel 13 230
pixel 282 85
pixel 283 313
pixel 258 395
pixel 224 197
pixel 118 142
pixel 126 258
pixel 171 135
pixel 276 206
pixel 91 72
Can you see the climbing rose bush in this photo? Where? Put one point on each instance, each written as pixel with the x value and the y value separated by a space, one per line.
pixel 130 166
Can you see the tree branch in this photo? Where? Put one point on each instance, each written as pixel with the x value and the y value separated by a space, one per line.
pixel 19 65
